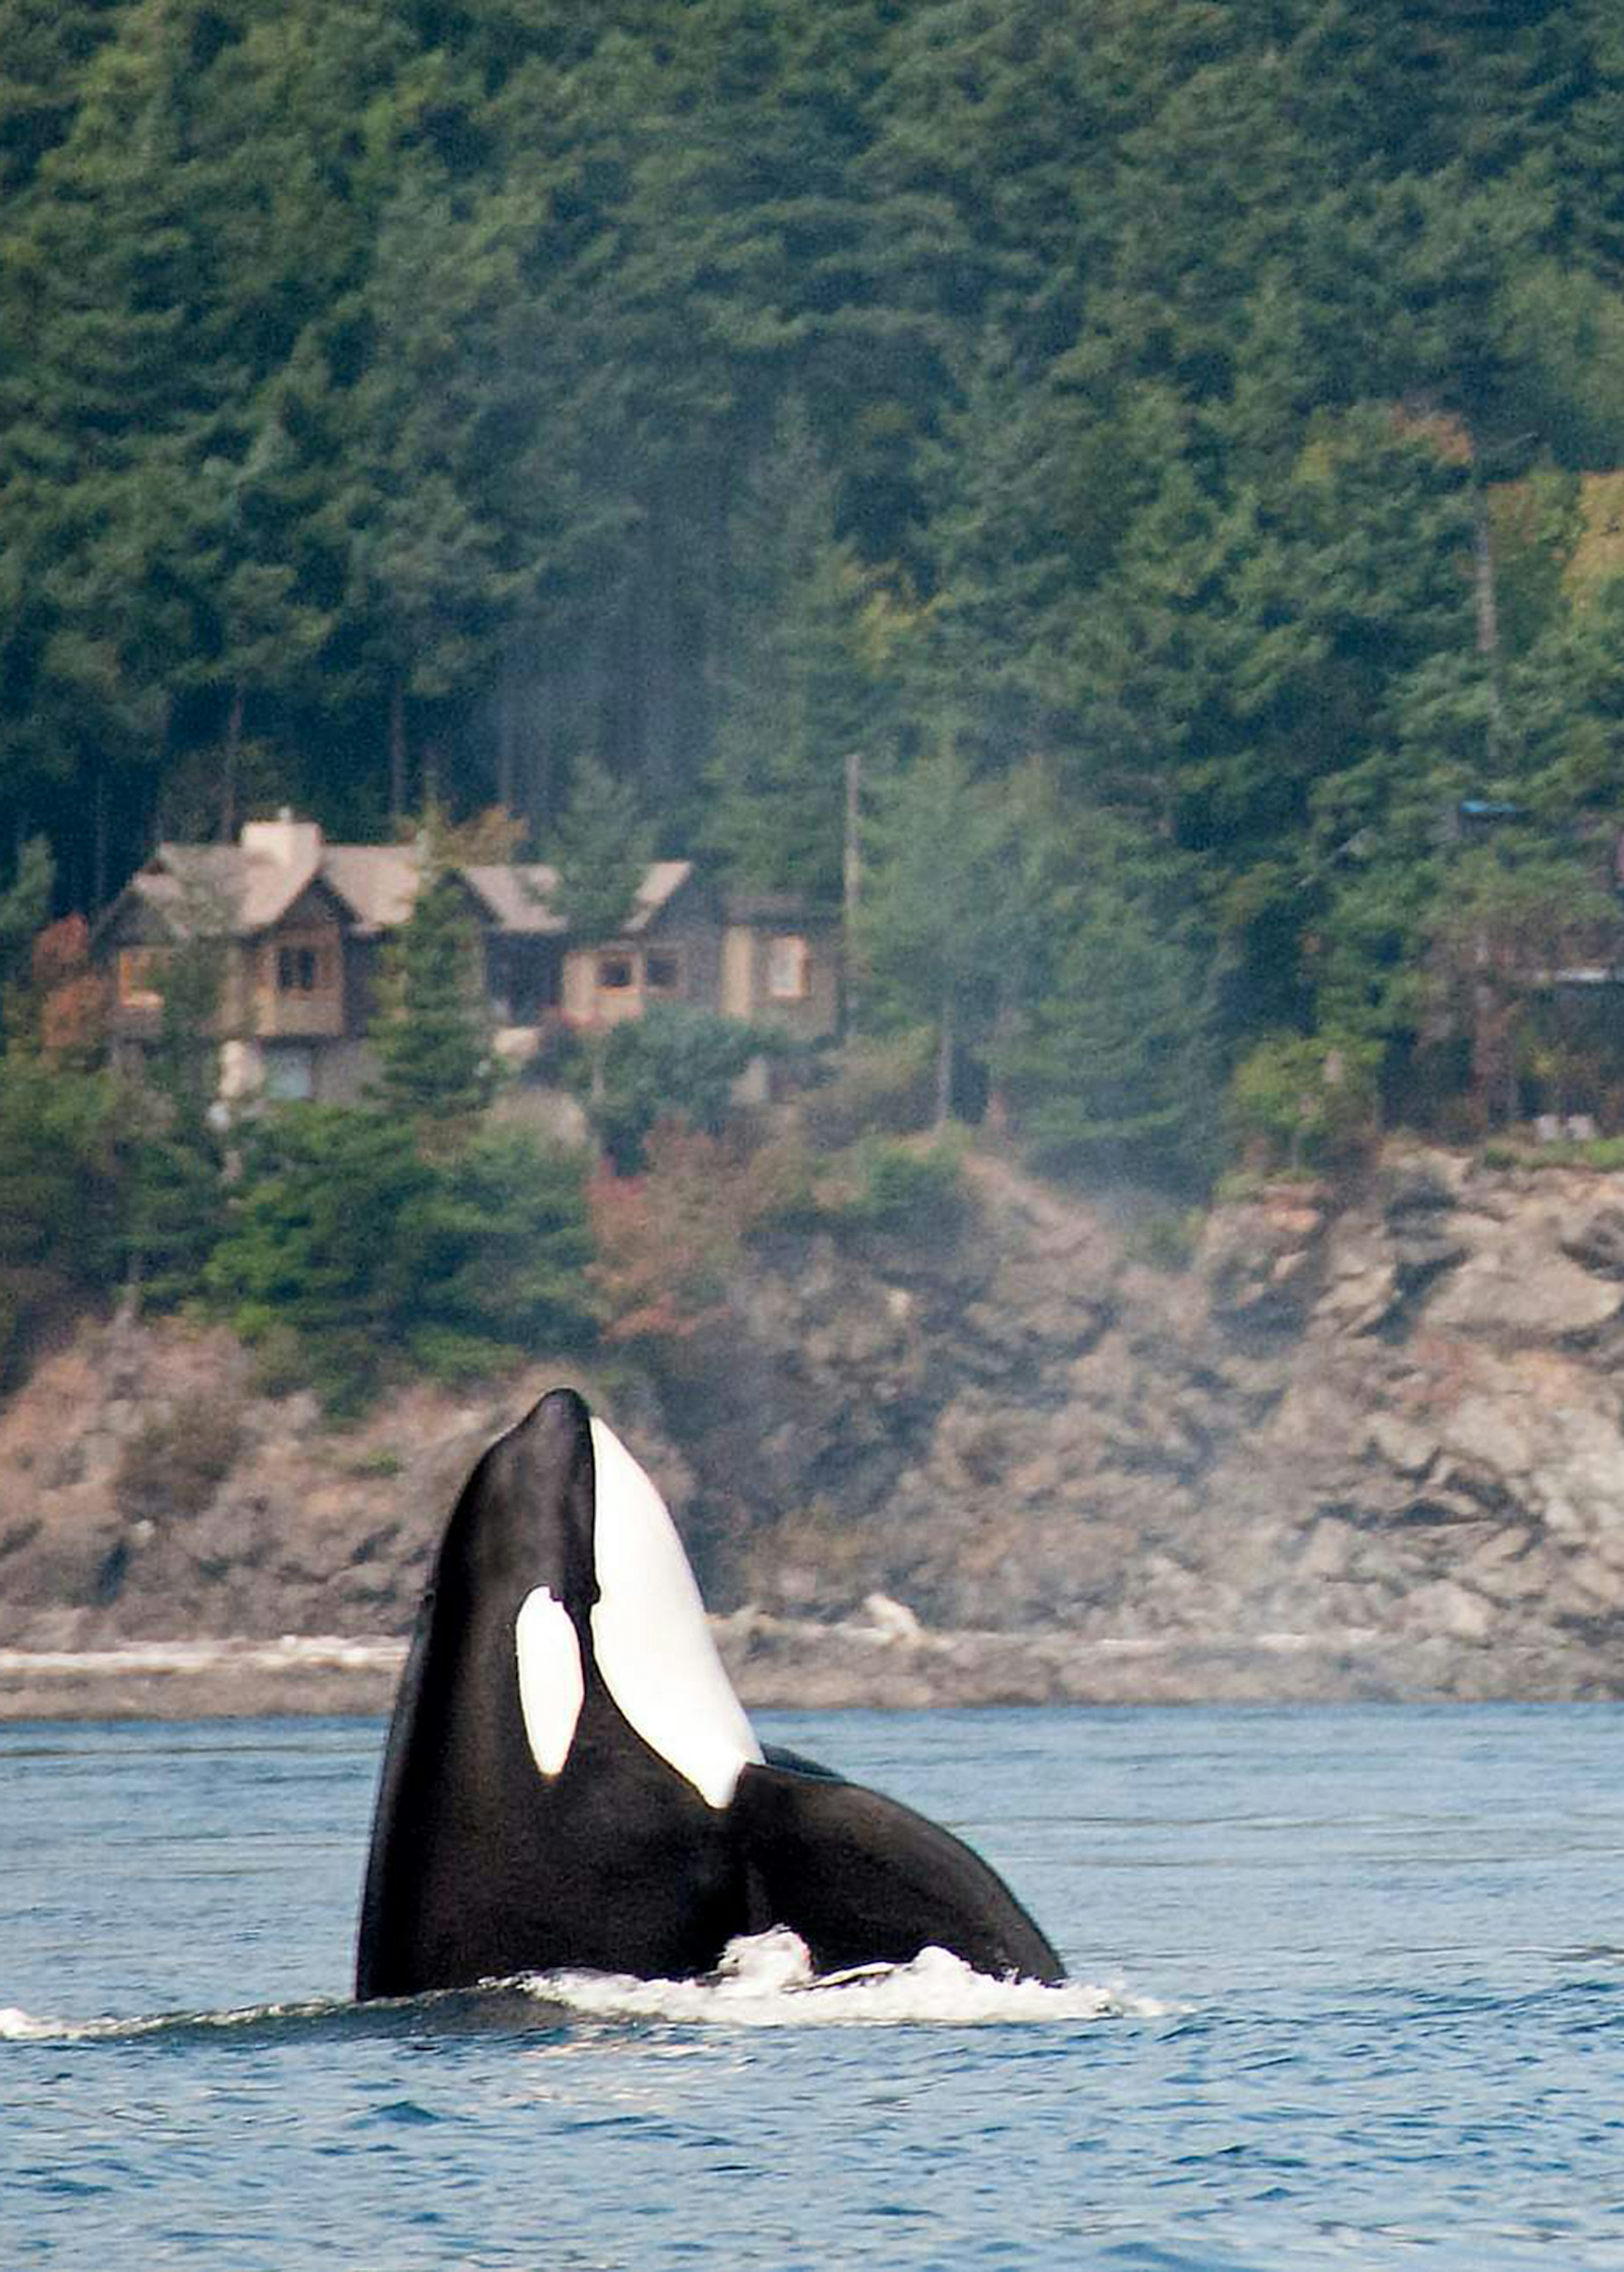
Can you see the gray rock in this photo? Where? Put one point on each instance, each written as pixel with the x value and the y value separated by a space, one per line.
pixel 1519 1296
pixel 1406 1447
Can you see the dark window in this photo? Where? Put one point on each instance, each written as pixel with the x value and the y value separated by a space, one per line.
pixel 615 970
pixel 297 970
pixel 664 972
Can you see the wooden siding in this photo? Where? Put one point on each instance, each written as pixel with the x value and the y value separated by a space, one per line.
pixel 756 959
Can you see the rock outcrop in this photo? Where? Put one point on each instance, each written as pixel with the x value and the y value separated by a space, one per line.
pixel 1356 1448
pixel 1359 1448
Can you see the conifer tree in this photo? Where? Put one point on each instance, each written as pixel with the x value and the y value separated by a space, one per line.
pixel 794 695
pixel 173 1197
pixel 1114 1069
pixel 433 1050
pixel 600 852
pixel 937 918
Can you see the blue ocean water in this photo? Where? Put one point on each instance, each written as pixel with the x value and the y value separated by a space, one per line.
pixel 1351 1992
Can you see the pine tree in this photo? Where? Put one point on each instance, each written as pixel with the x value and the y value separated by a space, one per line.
pixel 175 1196
pixel 600 853
pixel 60 1133
pixel 1113 1071
pixel 937 919
pixel 312 1262
pixel 436 1069
pixel 499 1245
pixel 795 695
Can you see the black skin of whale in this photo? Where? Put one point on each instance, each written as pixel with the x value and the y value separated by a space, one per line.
pixel 481 1867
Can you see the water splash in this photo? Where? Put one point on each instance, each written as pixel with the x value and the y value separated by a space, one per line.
pixel 766 1980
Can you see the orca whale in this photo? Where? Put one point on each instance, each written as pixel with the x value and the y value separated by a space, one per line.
pixel 569 1780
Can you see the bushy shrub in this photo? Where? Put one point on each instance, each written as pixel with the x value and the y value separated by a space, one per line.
pixel 180 1458
pixel 675 1064
pixel 669 1240
pixel 1297 1101
pixel 884 1183
pixel 882 1085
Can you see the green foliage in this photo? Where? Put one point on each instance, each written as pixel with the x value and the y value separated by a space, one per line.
pixel 173 1193
pixel 437 1067
pixel 878 1083
pixel 24 904
pixel 1166 1240
pixel 795 693
pixel 600 850
pixel 173 1208
pixel 484 396
pixel 497 1244
pixel 315 1248
pixel 1296 1101
pixel 675 1062
pixel 882 1184
pixel 1606 1153
pixel 349 1255
pixel 60 1133
pixel 938 923
pixel 1112 1070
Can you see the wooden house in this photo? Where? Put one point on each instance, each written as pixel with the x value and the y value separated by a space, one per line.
pixel 303 922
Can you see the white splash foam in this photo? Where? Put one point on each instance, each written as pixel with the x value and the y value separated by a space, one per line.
pixel 766 1980
pixel 20 2028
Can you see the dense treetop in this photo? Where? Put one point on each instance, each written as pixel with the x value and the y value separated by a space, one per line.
pixel 1162 428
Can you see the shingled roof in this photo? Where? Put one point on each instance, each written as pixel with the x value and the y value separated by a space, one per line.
pixel 239 890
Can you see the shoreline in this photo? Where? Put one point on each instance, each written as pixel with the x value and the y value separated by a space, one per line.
pixel 779 1663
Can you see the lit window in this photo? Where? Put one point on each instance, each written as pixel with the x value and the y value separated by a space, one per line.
pixel 140 975
pixel 663 973
pixel 787 968
pixel 614 971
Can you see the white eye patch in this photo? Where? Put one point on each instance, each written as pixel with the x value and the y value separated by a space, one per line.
pixel 650 1637
pixel 550 1682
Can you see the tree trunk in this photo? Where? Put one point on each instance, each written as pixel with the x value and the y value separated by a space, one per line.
pixel 852 877
pixel 506 737
pixel 229 772
pixel 99 843
pixel 1487 601
pixel 396 751
pixel 945 1048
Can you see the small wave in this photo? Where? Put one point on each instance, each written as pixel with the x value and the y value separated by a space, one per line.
pixel 766 1980
pixel 19 2027
pixel 493 2009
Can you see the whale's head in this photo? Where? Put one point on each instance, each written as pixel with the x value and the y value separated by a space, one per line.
pixel 562 1556
pixel 525 1521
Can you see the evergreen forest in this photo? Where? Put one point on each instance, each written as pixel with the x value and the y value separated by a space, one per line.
pixel 1162 465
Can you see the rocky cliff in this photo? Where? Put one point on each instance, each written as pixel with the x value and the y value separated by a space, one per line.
pixel 1364 1447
